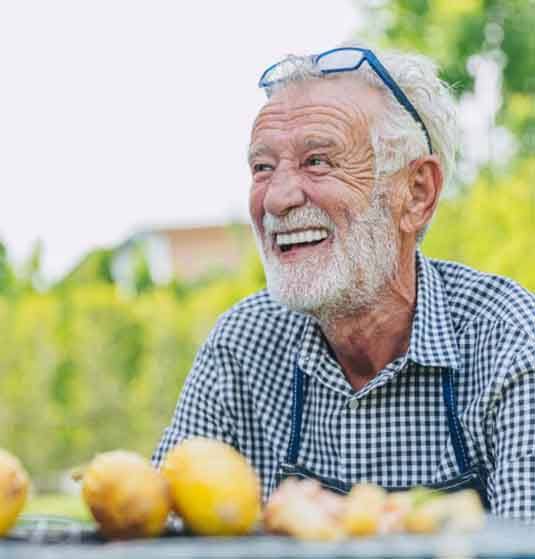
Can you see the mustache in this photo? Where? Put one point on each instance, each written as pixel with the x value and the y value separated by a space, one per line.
pixel 298 218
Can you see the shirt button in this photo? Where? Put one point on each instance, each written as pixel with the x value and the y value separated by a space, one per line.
pixel 353 404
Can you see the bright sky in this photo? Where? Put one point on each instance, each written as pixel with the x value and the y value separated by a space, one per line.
pixel 121 115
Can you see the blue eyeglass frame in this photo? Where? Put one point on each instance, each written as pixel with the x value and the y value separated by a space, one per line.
pixel 376 66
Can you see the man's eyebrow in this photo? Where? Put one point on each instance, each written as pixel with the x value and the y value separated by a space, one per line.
pixel 257 150
pixel 318 143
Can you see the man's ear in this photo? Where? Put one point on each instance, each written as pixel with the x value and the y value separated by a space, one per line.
pixel 422 194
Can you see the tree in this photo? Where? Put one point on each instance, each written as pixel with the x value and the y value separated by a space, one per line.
pixel 455 34
pixel 8 278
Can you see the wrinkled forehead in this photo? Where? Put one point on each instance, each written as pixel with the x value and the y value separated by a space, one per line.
pixel 343 98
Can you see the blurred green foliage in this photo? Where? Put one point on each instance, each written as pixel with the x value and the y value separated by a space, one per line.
pixel 71 506
pixel 86 367
pixel 491 225
pixel 94 267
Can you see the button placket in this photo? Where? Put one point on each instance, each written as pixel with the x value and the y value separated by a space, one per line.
pixel 352 409
pixel 345 437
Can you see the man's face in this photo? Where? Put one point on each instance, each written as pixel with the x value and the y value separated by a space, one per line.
pixel 326 235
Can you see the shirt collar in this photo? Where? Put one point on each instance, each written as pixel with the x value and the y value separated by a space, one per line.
pixel 315 358
pixel 433 341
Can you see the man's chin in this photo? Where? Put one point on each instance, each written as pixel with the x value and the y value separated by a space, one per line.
pixel 307 299
pixel 306 287
pixel 323 300
pixel 293 303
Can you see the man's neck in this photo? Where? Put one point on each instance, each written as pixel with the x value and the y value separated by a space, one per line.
pixel 365 342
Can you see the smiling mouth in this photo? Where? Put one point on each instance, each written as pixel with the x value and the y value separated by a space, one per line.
pixel 296 240
pixel 297 246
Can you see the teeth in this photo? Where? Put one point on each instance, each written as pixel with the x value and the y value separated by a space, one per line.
pixel 308 236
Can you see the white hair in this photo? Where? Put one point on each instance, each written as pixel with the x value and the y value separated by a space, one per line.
pixel 396 138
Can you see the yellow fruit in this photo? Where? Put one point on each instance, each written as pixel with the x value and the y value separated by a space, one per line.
pixel 364 509
pixel 214 489
pixel 126 495
pixel 14 484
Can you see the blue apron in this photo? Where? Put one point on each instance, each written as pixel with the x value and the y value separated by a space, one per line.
pixel 470 477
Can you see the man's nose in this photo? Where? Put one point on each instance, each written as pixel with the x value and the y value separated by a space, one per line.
pixel 284 193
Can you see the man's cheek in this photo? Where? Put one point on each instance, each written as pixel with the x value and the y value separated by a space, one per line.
pixel 358 187
pixel 256 210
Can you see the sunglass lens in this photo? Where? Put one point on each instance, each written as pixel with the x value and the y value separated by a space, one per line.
pixel 279 71
pixel 343 59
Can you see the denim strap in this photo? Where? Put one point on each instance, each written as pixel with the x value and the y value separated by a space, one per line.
pixel 299 389
pixel 454 425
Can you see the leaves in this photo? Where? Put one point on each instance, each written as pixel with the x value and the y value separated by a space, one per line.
pixel 86 368
pixel 490 226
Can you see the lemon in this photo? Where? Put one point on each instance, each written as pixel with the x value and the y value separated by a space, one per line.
pixel 214 489
pixel 14 484
pixel 126 495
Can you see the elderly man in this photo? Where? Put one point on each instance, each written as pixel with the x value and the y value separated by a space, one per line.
pixel 365 360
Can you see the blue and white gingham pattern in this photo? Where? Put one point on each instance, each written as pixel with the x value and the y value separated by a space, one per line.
pixel 394 430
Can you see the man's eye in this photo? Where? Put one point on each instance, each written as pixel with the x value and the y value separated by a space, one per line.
pixel 262 167
pixel 317 161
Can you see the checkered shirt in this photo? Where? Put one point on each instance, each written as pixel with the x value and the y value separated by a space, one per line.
pixel 393 431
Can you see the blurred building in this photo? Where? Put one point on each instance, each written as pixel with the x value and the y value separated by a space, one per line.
pixel 185 252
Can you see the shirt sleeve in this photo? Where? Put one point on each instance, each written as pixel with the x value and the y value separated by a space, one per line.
pixel 511 485
pixel 200 411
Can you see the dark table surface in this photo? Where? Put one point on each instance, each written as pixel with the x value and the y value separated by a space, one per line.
pixel 47 539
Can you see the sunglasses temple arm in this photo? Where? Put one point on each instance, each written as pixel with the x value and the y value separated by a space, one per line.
pixel 403 100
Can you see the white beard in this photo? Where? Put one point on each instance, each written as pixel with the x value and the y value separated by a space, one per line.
pixel 345 279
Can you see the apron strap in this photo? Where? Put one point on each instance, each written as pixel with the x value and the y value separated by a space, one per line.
pixel 454 425
pixel 299 389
